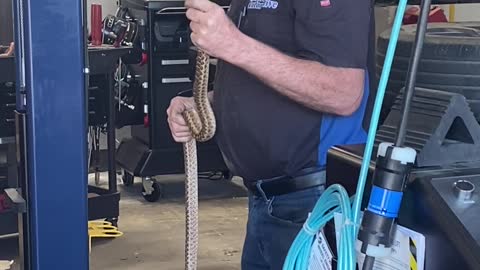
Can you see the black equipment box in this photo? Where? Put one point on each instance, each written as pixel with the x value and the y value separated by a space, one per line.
pixel 169 72
pixel 431 206
pixel 440 200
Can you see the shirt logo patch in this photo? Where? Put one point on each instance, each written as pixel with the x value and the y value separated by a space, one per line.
pixel 263 4
pixel 325 3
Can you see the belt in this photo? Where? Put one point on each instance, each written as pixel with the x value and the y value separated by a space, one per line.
pixel 287 184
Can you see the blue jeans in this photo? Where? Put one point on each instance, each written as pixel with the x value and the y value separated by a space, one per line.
pixel 273 224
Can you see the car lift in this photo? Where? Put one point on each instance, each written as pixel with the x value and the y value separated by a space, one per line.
pixel 51 58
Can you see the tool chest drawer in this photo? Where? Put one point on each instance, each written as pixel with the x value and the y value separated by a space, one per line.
pixel 174 64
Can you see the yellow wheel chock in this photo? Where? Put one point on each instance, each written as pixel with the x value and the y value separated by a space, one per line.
pixel 101 229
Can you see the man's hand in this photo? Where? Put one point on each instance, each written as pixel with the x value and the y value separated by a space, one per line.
pixel 9 51
pixel 180 131
pixel 212 31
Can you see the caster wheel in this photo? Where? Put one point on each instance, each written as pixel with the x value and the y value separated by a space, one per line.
pixel 155 193
pixel 127 179
pixel 114 221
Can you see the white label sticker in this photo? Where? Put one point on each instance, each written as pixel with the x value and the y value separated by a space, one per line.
pixel 321 255
pixel 408 250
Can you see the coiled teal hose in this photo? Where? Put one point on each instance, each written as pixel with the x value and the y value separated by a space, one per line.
pixel 335 198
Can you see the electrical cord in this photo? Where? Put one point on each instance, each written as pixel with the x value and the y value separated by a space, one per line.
pixel 412 70
pixel 392 167
pixel 335 198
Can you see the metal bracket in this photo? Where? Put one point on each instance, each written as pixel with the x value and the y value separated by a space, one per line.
pixel 18 202
pixel 147 183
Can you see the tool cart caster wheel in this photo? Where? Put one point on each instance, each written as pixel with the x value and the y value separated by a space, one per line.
pixel 114 221
pixel 127 179
pixel 151 190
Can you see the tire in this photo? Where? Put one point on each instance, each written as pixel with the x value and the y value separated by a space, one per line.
pixel 128 179
pixel 450 61
pixel 156 194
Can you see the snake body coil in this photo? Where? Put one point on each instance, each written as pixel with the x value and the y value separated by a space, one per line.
pixel 202 126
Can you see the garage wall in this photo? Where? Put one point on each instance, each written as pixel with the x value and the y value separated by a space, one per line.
pixel 384 16
pixel 465 12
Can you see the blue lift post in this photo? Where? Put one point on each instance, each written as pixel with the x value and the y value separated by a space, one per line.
pixel 54 54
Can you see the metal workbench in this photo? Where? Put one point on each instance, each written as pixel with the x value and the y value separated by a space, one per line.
pixel 104 203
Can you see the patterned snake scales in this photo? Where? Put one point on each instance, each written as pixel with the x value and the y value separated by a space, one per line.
pixel 202 126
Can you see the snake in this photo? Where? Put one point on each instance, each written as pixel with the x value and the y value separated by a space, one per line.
pixel 201 121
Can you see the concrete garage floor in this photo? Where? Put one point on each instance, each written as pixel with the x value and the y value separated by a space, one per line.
pixel 154 232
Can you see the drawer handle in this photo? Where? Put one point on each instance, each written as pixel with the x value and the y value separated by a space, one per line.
pixel 176 80
pixel 10 105
pixel 175 62
pixel 10 120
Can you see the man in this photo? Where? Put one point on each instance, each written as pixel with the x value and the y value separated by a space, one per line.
pixel 292 81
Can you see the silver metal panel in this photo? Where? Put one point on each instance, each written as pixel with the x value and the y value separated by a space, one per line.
pixel 176 80
pixel 7 140
pixel 175 62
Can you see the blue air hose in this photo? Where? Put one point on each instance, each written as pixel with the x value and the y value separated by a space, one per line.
pixel 335 198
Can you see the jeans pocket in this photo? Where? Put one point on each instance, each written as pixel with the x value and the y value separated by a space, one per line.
pixel 294 208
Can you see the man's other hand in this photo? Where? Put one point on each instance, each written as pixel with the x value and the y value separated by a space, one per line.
pixel 180 131
pixel 212 31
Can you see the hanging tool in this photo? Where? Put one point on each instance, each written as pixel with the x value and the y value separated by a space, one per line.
pixel 393 165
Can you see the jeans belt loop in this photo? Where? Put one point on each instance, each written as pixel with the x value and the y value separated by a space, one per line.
pixel 260 189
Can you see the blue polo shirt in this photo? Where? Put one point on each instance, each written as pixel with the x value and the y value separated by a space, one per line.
pixel 263 134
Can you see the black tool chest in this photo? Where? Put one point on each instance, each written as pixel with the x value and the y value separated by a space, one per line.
pixel 169 72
